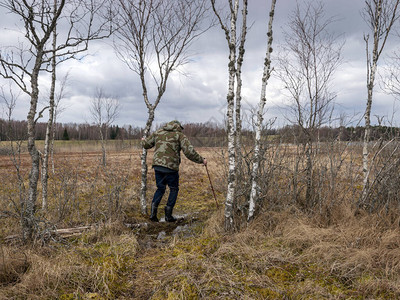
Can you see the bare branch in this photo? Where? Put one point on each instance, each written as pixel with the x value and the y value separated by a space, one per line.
pixel 310 57
pixel 307 63
pixel 40 114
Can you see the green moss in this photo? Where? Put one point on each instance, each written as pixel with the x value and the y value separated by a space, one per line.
pixel 266 293
pixel 67 297
pixel 184 288
pixel 93 296
pixel 282 274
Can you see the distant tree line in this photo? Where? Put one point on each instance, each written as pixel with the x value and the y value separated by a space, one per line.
pixel 294 133
pixel 70 131
pixel 16 130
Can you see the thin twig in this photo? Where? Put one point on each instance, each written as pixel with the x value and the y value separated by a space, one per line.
pixel 212 188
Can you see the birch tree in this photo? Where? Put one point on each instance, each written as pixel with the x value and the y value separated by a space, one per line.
pixel 233 97
pixel 58 109
pixel 46 151
pixel 10 100
pixel 391 83
pixel 25 62
pixel 104 111
pixel 309 58
pixel 260 113
pixel 152 39
pixel 380 16
pixel 238 95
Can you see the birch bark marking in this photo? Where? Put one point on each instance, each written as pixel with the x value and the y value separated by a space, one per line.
pixel 371 70
pixel 28 215
pixel 144 168
pixel 238 111
pixel 260 112
pixel 230 195
pixel 49 126
pixel 28 219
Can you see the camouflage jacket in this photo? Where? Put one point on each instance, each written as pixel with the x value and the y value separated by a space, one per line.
pixel 168 142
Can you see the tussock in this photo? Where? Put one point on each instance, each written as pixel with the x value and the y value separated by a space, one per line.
pixel 13 264
pixel 79 270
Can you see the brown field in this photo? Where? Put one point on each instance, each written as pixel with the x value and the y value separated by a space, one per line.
pixel 285 253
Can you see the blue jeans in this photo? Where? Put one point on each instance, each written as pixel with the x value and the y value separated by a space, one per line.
pixel 162 180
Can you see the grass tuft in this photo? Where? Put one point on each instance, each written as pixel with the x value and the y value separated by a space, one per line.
pixel 95 266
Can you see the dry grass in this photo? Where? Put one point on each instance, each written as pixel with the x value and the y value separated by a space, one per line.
pixel 280 256
pixel 283 254
pixel 61 146
pixel 96 265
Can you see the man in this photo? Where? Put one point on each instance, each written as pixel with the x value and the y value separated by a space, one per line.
pixel 168 142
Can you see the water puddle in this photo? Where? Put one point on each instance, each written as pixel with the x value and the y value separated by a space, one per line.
pixel 156 234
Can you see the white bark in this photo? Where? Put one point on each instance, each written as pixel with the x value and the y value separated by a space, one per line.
pixel 238 96
pixel 28 215
pixel 230 194
pixel 143 182
pixel 259 123
pixel 144 168
pixel 57 111
pixel 28 219
pixel 47 142
pixel 234 73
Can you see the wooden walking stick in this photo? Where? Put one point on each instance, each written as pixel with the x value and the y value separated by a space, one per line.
pixel 212 188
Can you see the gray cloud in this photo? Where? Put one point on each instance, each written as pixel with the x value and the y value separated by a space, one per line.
pixel 201 95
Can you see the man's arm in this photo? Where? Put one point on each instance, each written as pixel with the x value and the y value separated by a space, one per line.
pixel 190 152
pixel 148 142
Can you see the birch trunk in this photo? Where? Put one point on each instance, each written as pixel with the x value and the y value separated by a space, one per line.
pixel 367 134
pixel 259 124
pixel 309 171
pixel 103 146
pixel 144 168
pixel 295 180
pixel 45 159
pixel 52 141
pixel 230 194
pixel 371 71
pixel 143 185
pixel 238 109
pixel 28 214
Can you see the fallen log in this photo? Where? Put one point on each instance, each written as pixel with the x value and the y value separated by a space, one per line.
pixel 64 232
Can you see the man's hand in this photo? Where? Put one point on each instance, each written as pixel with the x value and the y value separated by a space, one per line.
pixel 204 161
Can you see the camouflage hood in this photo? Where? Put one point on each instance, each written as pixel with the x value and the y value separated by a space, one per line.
pixel 173 126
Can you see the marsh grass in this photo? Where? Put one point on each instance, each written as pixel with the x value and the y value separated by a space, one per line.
pixel 278 257
pixel 336 252
pixel 78 145
pixel 93 265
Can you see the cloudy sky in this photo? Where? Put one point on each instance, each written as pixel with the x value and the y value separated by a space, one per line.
pixel 201 96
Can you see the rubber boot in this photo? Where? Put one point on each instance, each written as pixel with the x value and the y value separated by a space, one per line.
pixel 153 216
pixel 168 214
